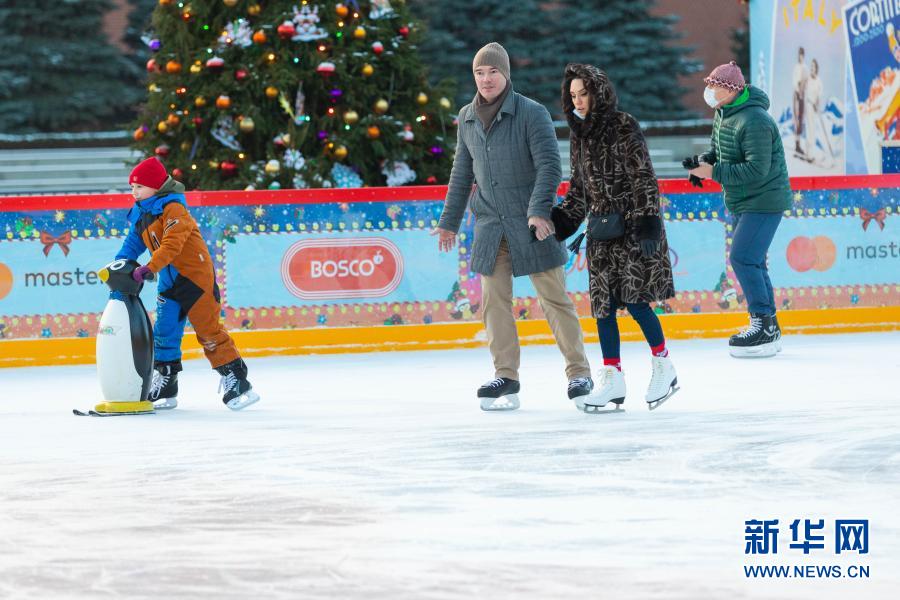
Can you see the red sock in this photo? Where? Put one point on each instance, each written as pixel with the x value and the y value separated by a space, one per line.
pixel 613 362
pixel 660 350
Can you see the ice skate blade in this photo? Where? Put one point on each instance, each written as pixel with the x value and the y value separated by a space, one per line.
pixel 94 413
pixel 243 401
pixel 166 404
pixel 579 401
pixel 508 402
pixel 654 404
pixel 594 409
pixel 761 351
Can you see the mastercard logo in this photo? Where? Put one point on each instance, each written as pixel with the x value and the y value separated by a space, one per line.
pixel 6 281
pixel 816 253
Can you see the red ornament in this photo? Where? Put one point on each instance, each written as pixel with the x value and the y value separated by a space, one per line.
pixel 286 30
pixel 325 69
pixel 215 64
pixel 152 66
pixel 377 48
pixel 241 74
pixel 162 150
pixel 198 121
pixel 432 180
pixel 228 168
pixel 177 173
pixel 404 31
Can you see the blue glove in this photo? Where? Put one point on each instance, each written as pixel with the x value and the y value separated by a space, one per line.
pixel 142 274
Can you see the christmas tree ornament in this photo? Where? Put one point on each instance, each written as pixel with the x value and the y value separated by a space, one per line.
pixel 359 33
pixel 177 173
pixel 445 103
pixel 398 173
pixel 260 37
pixel 293 159
pixel 286 30
pixel 404 31
pixel 153 66
pixel 436 150
pixel 246 125
pixel 199 101
pixel 225 133
pixel 165 2
pixel 185 146
pixel 198 121
pixel 254 9
pixel 368 70
pixel 381 9
pixel 154 45
pixel 241 74
pixel 273 167
pixel 230 3
pixel 381 106
pixel 223 102
pixel 422 99
pixel 237 33
pixel 162 127
pixel 153 88
pixel 306 25
pixel 228 168
pixel 351 117
pixel 180 91
pixel 407 134
pixel 271 92
pixel 173 119
pixel 215 64
pixel 325 69
pixel 377 48
pixel 213 164
pixel 274 186
pixel 196 68
pixel 373 132
pixel 138 134
pixel 341 10
pixel 340 152
pixel 345 177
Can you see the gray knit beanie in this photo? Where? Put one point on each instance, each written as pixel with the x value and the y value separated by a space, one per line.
pixel 493 55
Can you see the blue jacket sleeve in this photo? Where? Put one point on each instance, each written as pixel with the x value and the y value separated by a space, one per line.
pixel 132 247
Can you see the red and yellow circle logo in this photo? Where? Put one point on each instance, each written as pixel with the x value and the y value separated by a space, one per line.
pixel 816 253
pixel 6 280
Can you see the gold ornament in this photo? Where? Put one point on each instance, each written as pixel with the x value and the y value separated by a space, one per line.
pixel 246 125
pixel 199 101
pixel 445 103
pixel 273 167
pixel 162 127
pixel 213 164
pixel 153 88
pixel 271 92
pixel 373 132
pixel 223 102
pixel 173 67
pixel 340 152
pixel 422 99
pixel 359 33
pixel 367 70
pixel 185 146
pixel 196 68
pixel 230 3
pixel 254 10
pixel 351 117
pixel 381 106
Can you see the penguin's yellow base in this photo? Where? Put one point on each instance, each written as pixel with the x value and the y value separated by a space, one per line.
pixel 132 408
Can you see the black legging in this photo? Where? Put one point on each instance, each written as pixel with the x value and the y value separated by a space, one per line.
pixel 608 328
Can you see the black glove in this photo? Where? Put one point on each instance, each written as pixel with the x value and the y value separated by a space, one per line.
pixel 647 233
pixel 564 226
pixel 692 162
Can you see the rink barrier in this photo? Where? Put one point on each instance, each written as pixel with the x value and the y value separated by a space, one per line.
pixel 446 336
pixel 865 199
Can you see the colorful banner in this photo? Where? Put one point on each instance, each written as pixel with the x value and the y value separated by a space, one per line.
pixel 874 41
pixel 807 85
pixel 331 258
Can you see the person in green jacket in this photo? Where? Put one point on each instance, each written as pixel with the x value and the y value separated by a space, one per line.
pixel 747 159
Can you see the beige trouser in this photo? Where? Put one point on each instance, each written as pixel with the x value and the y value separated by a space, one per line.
pixel 497 315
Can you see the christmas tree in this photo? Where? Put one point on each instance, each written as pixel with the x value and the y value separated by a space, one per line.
pixel 636 48
pixel 58 71
pixel 292 94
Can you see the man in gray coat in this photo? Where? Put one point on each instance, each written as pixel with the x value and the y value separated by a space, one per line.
pixel 507 147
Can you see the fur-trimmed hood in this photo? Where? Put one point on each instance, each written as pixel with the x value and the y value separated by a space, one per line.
pixel 604 102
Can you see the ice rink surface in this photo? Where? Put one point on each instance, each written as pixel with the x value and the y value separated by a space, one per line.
pixel 377 476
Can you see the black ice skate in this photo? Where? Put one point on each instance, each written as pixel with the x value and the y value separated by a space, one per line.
pixel 238 391
pixel 579 389
pixel 164 386
pixel 777 333
pixel 499 394
pixel 759 340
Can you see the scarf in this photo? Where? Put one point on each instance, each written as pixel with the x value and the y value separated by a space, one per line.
pixel 487 111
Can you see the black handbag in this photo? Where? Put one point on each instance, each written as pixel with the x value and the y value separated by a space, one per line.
pixel 603 228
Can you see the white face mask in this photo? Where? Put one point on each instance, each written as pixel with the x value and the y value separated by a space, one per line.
pixel 578 114
pixel 709 95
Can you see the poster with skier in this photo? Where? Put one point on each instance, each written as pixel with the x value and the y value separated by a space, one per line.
pixel 874 43
pixel 807 87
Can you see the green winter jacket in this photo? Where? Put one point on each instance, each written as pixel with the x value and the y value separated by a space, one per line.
pixel 748 156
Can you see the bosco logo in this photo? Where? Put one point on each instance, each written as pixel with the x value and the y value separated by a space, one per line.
pixel 342 268
pixel 805 253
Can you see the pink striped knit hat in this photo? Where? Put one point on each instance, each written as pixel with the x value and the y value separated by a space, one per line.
pixel 727 76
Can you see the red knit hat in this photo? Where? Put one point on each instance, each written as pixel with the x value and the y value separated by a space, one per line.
pixel 149 172
pixel 727 76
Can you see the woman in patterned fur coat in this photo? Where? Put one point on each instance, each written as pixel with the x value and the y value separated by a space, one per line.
pixel 612 174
